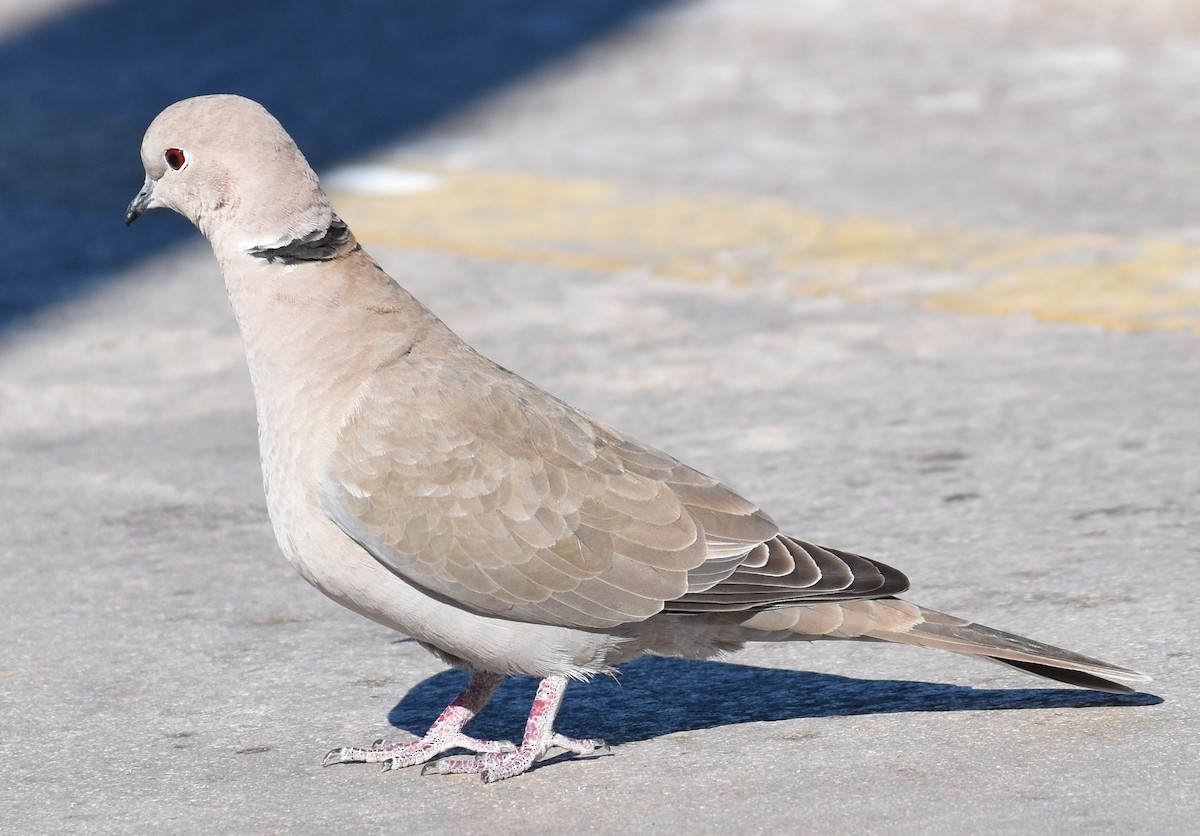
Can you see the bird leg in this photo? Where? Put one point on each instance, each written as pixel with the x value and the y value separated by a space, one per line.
pixel 445 733
pixel 539 738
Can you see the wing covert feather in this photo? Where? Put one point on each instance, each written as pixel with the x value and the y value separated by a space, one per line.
pixel 472 483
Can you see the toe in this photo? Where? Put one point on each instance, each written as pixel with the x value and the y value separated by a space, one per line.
pixel 344 754
pixel 579 746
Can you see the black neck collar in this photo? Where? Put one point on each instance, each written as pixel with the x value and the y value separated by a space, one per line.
pixel 318 245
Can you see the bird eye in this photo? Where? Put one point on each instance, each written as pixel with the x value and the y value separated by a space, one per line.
pixel 175 158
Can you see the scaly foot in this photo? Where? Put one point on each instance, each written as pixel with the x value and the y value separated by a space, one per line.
pixel 446 732
pixel 539 738
pixel 496 766
pixel 395 755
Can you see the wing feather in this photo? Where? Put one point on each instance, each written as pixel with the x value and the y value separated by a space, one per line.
pixel 473 484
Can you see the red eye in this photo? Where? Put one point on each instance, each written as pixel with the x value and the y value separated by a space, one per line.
pixel 175 158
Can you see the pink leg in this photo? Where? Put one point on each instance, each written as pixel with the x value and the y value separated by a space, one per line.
pixel 539 738
pixel 445 733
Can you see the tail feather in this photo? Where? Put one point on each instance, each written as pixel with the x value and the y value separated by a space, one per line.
pixel 946 632
pixel 1072 677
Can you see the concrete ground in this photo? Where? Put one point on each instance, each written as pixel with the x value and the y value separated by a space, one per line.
pixel 922 278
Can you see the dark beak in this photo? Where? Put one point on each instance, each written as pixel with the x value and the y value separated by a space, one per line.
pixel 140 203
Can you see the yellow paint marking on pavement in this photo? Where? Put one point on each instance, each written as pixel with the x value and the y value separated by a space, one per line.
pixel 1105 281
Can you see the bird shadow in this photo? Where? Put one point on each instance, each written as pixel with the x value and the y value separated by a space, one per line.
pixel 658 696
pixel 78 89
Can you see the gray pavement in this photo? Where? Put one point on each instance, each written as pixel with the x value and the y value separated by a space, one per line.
pixel 164 670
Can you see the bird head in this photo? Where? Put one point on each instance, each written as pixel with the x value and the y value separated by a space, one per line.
pixel 228 166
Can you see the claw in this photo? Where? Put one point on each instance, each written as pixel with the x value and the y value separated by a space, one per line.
pixel 577 746
pixel 599 749
pixel 340 755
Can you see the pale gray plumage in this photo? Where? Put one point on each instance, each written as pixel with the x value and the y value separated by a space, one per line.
pixel 418 483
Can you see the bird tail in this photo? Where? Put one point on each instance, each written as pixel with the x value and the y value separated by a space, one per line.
pixel 946 632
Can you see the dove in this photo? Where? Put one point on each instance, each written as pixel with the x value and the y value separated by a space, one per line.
pixel 416 482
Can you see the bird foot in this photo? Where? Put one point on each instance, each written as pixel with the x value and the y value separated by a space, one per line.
pixel 395 755
pixel 496 766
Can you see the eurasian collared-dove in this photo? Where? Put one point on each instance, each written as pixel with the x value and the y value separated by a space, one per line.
pixel 421 485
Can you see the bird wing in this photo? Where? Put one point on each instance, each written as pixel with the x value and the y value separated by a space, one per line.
pixel 477 486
